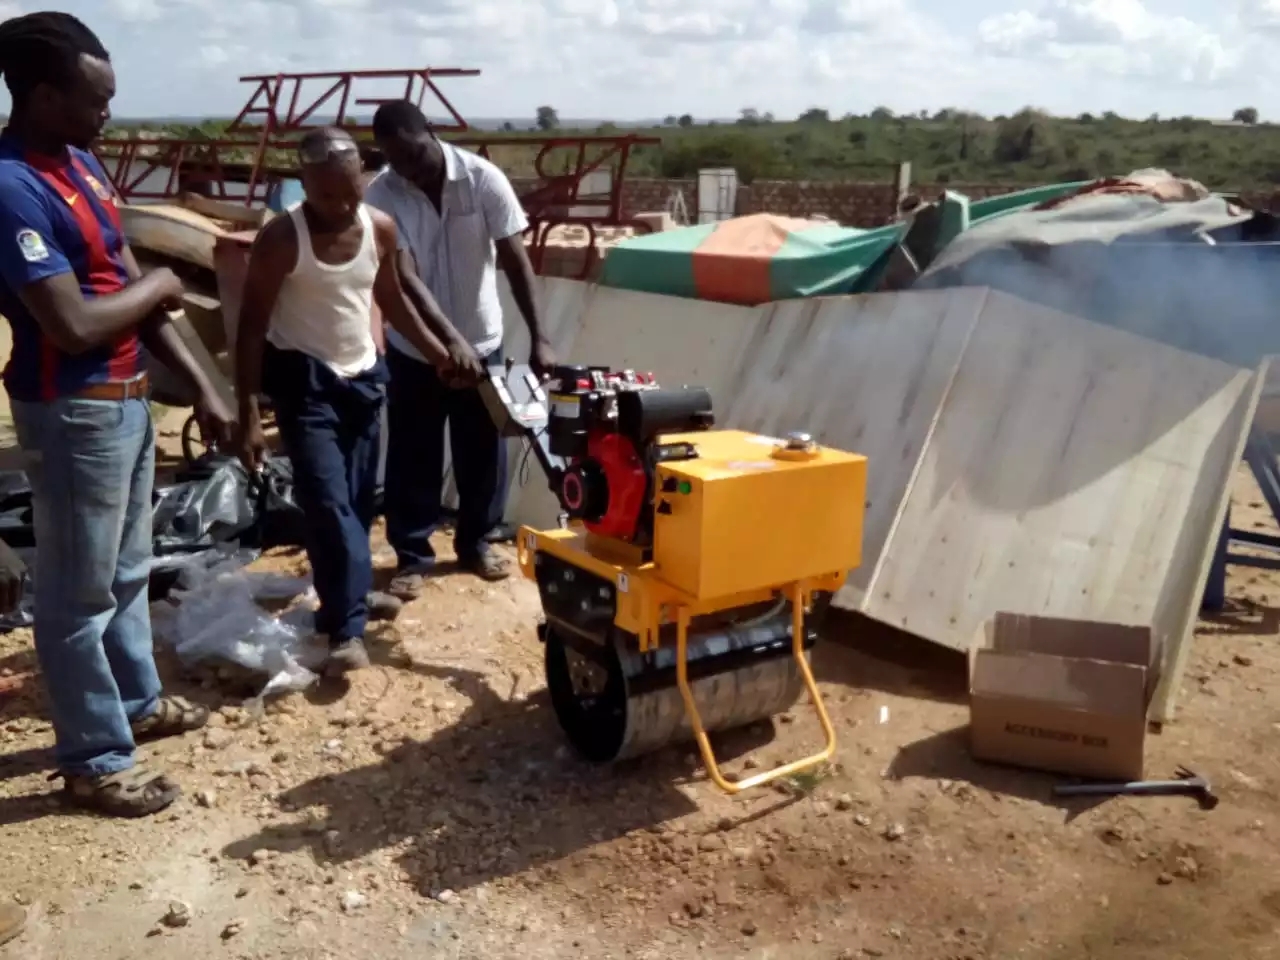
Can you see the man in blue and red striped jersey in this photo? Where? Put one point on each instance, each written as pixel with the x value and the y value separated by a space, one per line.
pixel 81 315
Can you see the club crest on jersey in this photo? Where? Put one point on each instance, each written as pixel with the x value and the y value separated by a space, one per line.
pixel 32 246
pixel 103 194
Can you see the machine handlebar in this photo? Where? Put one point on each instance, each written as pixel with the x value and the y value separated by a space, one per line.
pixel 526 420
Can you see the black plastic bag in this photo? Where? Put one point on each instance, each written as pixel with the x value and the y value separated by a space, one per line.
pixel 217 501
pixel 208 503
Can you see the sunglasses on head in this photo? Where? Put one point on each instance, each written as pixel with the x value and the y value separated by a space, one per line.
pixel 321 150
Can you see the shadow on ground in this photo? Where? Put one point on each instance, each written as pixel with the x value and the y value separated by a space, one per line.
pixel 1241 617
pixel 945 756
pixel 865 654
pixel 496 794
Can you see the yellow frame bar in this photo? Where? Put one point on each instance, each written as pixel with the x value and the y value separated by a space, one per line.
pixel 798 595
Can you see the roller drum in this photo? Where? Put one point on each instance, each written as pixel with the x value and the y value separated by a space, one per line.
pixel 739 675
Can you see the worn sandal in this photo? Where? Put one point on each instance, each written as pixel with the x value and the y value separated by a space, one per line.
pixel 173 716
pixel 409 582
pixel 487 566
pixel 383 606
pixel 136 792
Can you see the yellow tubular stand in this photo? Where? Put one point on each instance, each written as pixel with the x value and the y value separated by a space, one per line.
pixel 798 594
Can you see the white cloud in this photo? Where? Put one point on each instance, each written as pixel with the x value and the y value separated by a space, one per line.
pixel 1261 15
pixel 623 59
pixel 1016 32
pixel 138 11
pixel 855 16
pixel 1123 38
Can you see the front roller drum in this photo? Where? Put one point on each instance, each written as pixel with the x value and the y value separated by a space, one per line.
pixel 615 703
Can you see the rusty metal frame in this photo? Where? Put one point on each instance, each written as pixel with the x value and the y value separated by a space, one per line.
pixel 277 99
pixel 270 92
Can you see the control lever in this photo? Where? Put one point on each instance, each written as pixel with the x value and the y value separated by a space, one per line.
pixel 524 420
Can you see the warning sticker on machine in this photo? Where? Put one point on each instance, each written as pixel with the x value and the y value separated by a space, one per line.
pixel 563 405
pixel 763 440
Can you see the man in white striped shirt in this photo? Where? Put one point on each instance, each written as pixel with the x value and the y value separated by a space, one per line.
pixel 458 220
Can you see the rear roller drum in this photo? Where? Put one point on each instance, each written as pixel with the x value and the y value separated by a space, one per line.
pixel 614 703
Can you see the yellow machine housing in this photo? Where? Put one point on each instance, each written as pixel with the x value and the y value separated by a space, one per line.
pixel 750 515
pixel 752 527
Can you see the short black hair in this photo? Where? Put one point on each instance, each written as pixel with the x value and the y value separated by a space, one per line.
pixel 45 47
pixel 400 118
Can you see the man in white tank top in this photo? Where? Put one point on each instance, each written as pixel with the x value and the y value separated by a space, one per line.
pixel 308 338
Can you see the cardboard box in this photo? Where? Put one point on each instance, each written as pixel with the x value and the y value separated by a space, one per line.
pixel 1069 696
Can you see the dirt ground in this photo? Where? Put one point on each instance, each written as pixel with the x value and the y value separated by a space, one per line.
pixel 432 810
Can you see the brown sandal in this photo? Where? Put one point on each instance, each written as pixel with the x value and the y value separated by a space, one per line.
pixel 136 792
pixel 172 717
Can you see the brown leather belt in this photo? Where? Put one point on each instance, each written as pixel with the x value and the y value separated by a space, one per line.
pixel 115 390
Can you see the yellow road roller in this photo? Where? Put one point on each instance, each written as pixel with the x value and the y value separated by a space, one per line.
pixel 678 588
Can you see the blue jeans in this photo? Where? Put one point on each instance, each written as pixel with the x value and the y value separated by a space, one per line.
pixel 91 465
pixel 330 429
pixel 419 404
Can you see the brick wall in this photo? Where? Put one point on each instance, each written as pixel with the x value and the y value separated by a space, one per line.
pixel 852 203
pixel 856 204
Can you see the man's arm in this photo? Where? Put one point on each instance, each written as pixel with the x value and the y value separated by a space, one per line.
pixel 389 289
pixel 514 260
pixel 274 252
pixel 378 197
pixel 422 301
pixel 32 264
pixel 506 220
pixel 161 337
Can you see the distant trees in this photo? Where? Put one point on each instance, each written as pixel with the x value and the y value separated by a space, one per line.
pixel 754 157
pixel 751 117
pixel 1027 136
pixel 951 145
pixel 547 118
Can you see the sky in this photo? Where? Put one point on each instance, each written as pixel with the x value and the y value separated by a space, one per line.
pixel 639 59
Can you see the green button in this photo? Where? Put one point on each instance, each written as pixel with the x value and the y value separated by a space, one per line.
pixel 685 487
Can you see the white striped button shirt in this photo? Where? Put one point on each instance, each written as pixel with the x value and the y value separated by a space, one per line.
pixel 454 248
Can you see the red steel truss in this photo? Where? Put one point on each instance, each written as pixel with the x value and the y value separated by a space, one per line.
pixel 277 110
pixel 270 90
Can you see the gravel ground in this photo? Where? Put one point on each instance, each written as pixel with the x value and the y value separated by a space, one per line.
pixel 431 809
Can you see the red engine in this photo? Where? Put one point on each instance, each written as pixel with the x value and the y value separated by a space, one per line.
pixel 608 487
pixel 605 427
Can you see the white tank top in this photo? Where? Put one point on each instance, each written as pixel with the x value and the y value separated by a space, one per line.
pixel 325 310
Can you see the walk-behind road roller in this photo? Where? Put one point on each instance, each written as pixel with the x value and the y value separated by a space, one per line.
pixel 678 588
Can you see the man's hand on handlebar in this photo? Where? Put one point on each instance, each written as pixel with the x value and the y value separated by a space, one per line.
pixel 542 359
pixel 465 368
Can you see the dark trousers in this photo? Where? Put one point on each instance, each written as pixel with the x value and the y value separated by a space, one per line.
pixel 330 430
pixel 419 404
